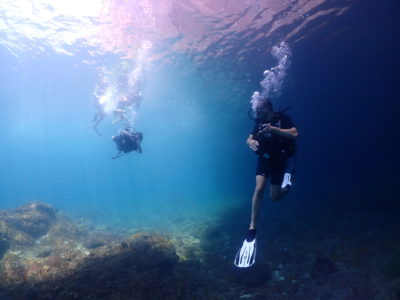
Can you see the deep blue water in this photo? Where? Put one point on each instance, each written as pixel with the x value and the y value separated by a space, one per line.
pixel 342 88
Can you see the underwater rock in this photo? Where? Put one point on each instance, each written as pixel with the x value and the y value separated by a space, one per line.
pixel 214 245
pixel 12 270
pixel 55 267
pixel 4 244
pixel 190 253
pixel 152 249
pixel 322 268
pixel 58 265
pixel 45 252
pixel 97 240
pixel 253 276
pixel 211 240
pixel 26 223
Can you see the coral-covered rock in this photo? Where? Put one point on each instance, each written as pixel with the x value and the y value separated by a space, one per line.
pixel 98 239
pixel 4 244
pixel 152 249
pixel 43 251
pixel 62 264
pixel 26 223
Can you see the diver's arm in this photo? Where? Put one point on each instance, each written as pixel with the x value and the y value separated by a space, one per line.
pixel 252 143
pixel 250 139
pixel 290 133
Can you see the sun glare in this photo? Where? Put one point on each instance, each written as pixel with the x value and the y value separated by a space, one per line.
pixel 76 8
pixel 55 23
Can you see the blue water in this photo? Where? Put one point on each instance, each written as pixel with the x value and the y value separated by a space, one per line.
pixel 341 87
pixel 52 154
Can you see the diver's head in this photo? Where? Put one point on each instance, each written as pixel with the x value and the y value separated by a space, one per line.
pixel 139 136
pixel 265 109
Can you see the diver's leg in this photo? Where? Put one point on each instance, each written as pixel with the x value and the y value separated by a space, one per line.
pixel 277 177
pixel 257 199
pixel 96 116
pixel 289 173
pixel 97 122
pixel 246 255
pixel 277 193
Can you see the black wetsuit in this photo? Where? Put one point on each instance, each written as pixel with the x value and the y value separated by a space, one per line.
pixel 126 142
pixel 274 150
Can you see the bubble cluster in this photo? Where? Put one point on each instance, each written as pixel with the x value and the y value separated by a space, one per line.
pixel 119 89
pixel 274 78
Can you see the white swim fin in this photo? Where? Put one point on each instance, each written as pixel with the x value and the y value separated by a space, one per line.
pixel 287 181
pixel 246 255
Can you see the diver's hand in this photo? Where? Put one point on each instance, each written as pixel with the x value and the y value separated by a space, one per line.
pixel 253 144
pixel 265 128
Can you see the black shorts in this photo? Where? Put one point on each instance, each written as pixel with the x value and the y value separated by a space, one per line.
pixel 271 167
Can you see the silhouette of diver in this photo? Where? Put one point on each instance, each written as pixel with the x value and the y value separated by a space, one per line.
pixel 98 117
pixel 127 141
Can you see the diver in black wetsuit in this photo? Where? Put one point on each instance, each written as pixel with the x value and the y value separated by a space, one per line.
pixel 273 140
pixel 127 141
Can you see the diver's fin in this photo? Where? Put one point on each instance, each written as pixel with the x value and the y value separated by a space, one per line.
pixel 246 256
pixel 118 155
pixel 287 181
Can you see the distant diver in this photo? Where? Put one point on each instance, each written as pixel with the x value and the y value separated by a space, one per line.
pixel 128 140
pixel 98 117
pixel 127 105
pixel 273 140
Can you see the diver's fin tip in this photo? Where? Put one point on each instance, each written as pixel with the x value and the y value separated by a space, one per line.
pixel 246 256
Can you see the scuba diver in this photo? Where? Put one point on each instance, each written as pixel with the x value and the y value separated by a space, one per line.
pixel 273 140
pixel 98 117
pixel 126 106
pixel 127 141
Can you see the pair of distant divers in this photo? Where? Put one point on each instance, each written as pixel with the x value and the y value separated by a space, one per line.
pixel 128 139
